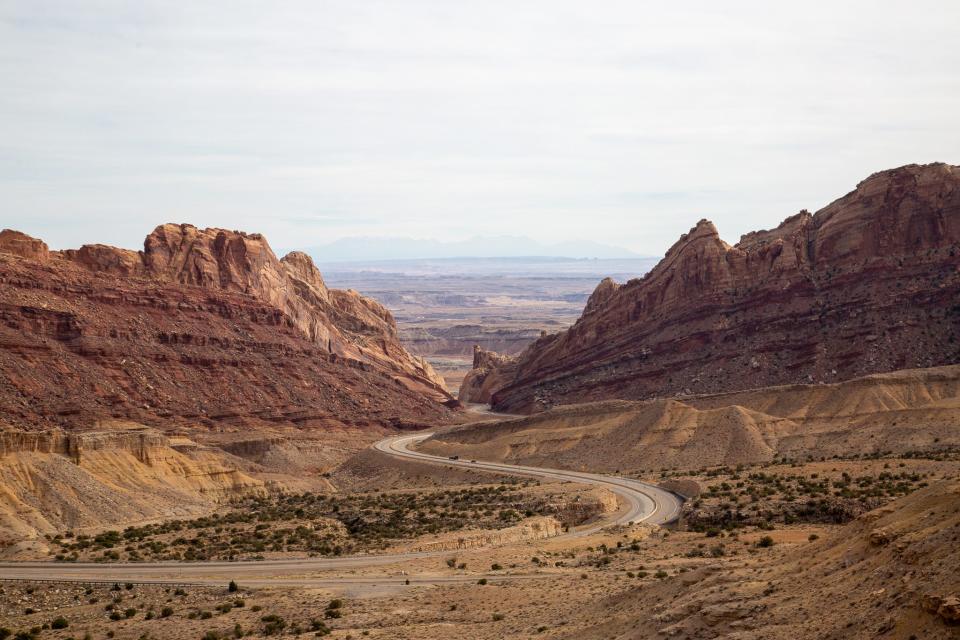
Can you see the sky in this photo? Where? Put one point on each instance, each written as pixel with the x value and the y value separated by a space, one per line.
pixel 615 122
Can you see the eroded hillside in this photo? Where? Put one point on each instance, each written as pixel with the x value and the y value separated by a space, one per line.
pixel 900 411
pixel 52 482
pixel 867 284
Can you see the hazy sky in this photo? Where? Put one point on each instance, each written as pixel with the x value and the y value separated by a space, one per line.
pixel 618 122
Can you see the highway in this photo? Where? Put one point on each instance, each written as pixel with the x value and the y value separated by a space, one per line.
pixel 646 502
pixel 642 503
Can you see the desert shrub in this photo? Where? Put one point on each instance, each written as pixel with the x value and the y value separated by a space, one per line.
pixel 274 625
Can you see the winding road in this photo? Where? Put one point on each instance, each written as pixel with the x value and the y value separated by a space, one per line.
pixel 642 503
pixel 645 502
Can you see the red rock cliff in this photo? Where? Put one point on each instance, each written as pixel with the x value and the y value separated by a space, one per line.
pixel 867 284
pixel 200 326
pixel 490 372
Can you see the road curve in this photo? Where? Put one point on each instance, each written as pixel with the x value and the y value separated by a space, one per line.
pixel 643 503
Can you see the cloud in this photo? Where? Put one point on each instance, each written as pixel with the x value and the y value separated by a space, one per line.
pixel 620 123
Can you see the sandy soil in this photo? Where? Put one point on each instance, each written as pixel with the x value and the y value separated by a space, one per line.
pixel 887 569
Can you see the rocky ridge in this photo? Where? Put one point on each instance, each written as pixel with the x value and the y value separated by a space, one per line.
pixel 867 284
pixel 202 327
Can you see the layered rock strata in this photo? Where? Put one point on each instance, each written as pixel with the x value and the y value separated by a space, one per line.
pixel 867 284
pixel 202 327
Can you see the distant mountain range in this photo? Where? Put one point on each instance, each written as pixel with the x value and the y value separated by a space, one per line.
pixel 361 249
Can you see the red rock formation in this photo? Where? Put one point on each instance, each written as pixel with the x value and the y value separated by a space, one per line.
pixel 868 284
pixel 202 326
pixel 20 244
pixel 490 372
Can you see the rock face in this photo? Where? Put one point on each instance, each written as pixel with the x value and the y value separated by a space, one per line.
pixel 20 244
pixel 202 326
pixel 490 371
pixel 867 284
pixel 56 480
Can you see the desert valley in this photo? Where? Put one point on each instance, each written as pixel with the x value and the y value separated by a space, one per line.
pixel 205 440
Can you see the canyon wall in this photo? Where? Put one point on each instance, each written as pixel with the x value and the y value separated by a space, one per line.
pixel 867 284
pixel 200 328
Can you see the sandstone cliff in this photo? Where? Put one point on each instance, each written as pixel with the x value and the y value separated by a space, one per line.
pixel 490 372
pixel 201 327
pixel 867 284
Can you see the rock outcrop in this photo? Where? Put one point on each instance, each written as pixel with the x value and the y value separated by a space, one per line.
pixel 867 284
pixel 20 244
pixel 490 371
pixel 202 326
pixel 55 480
